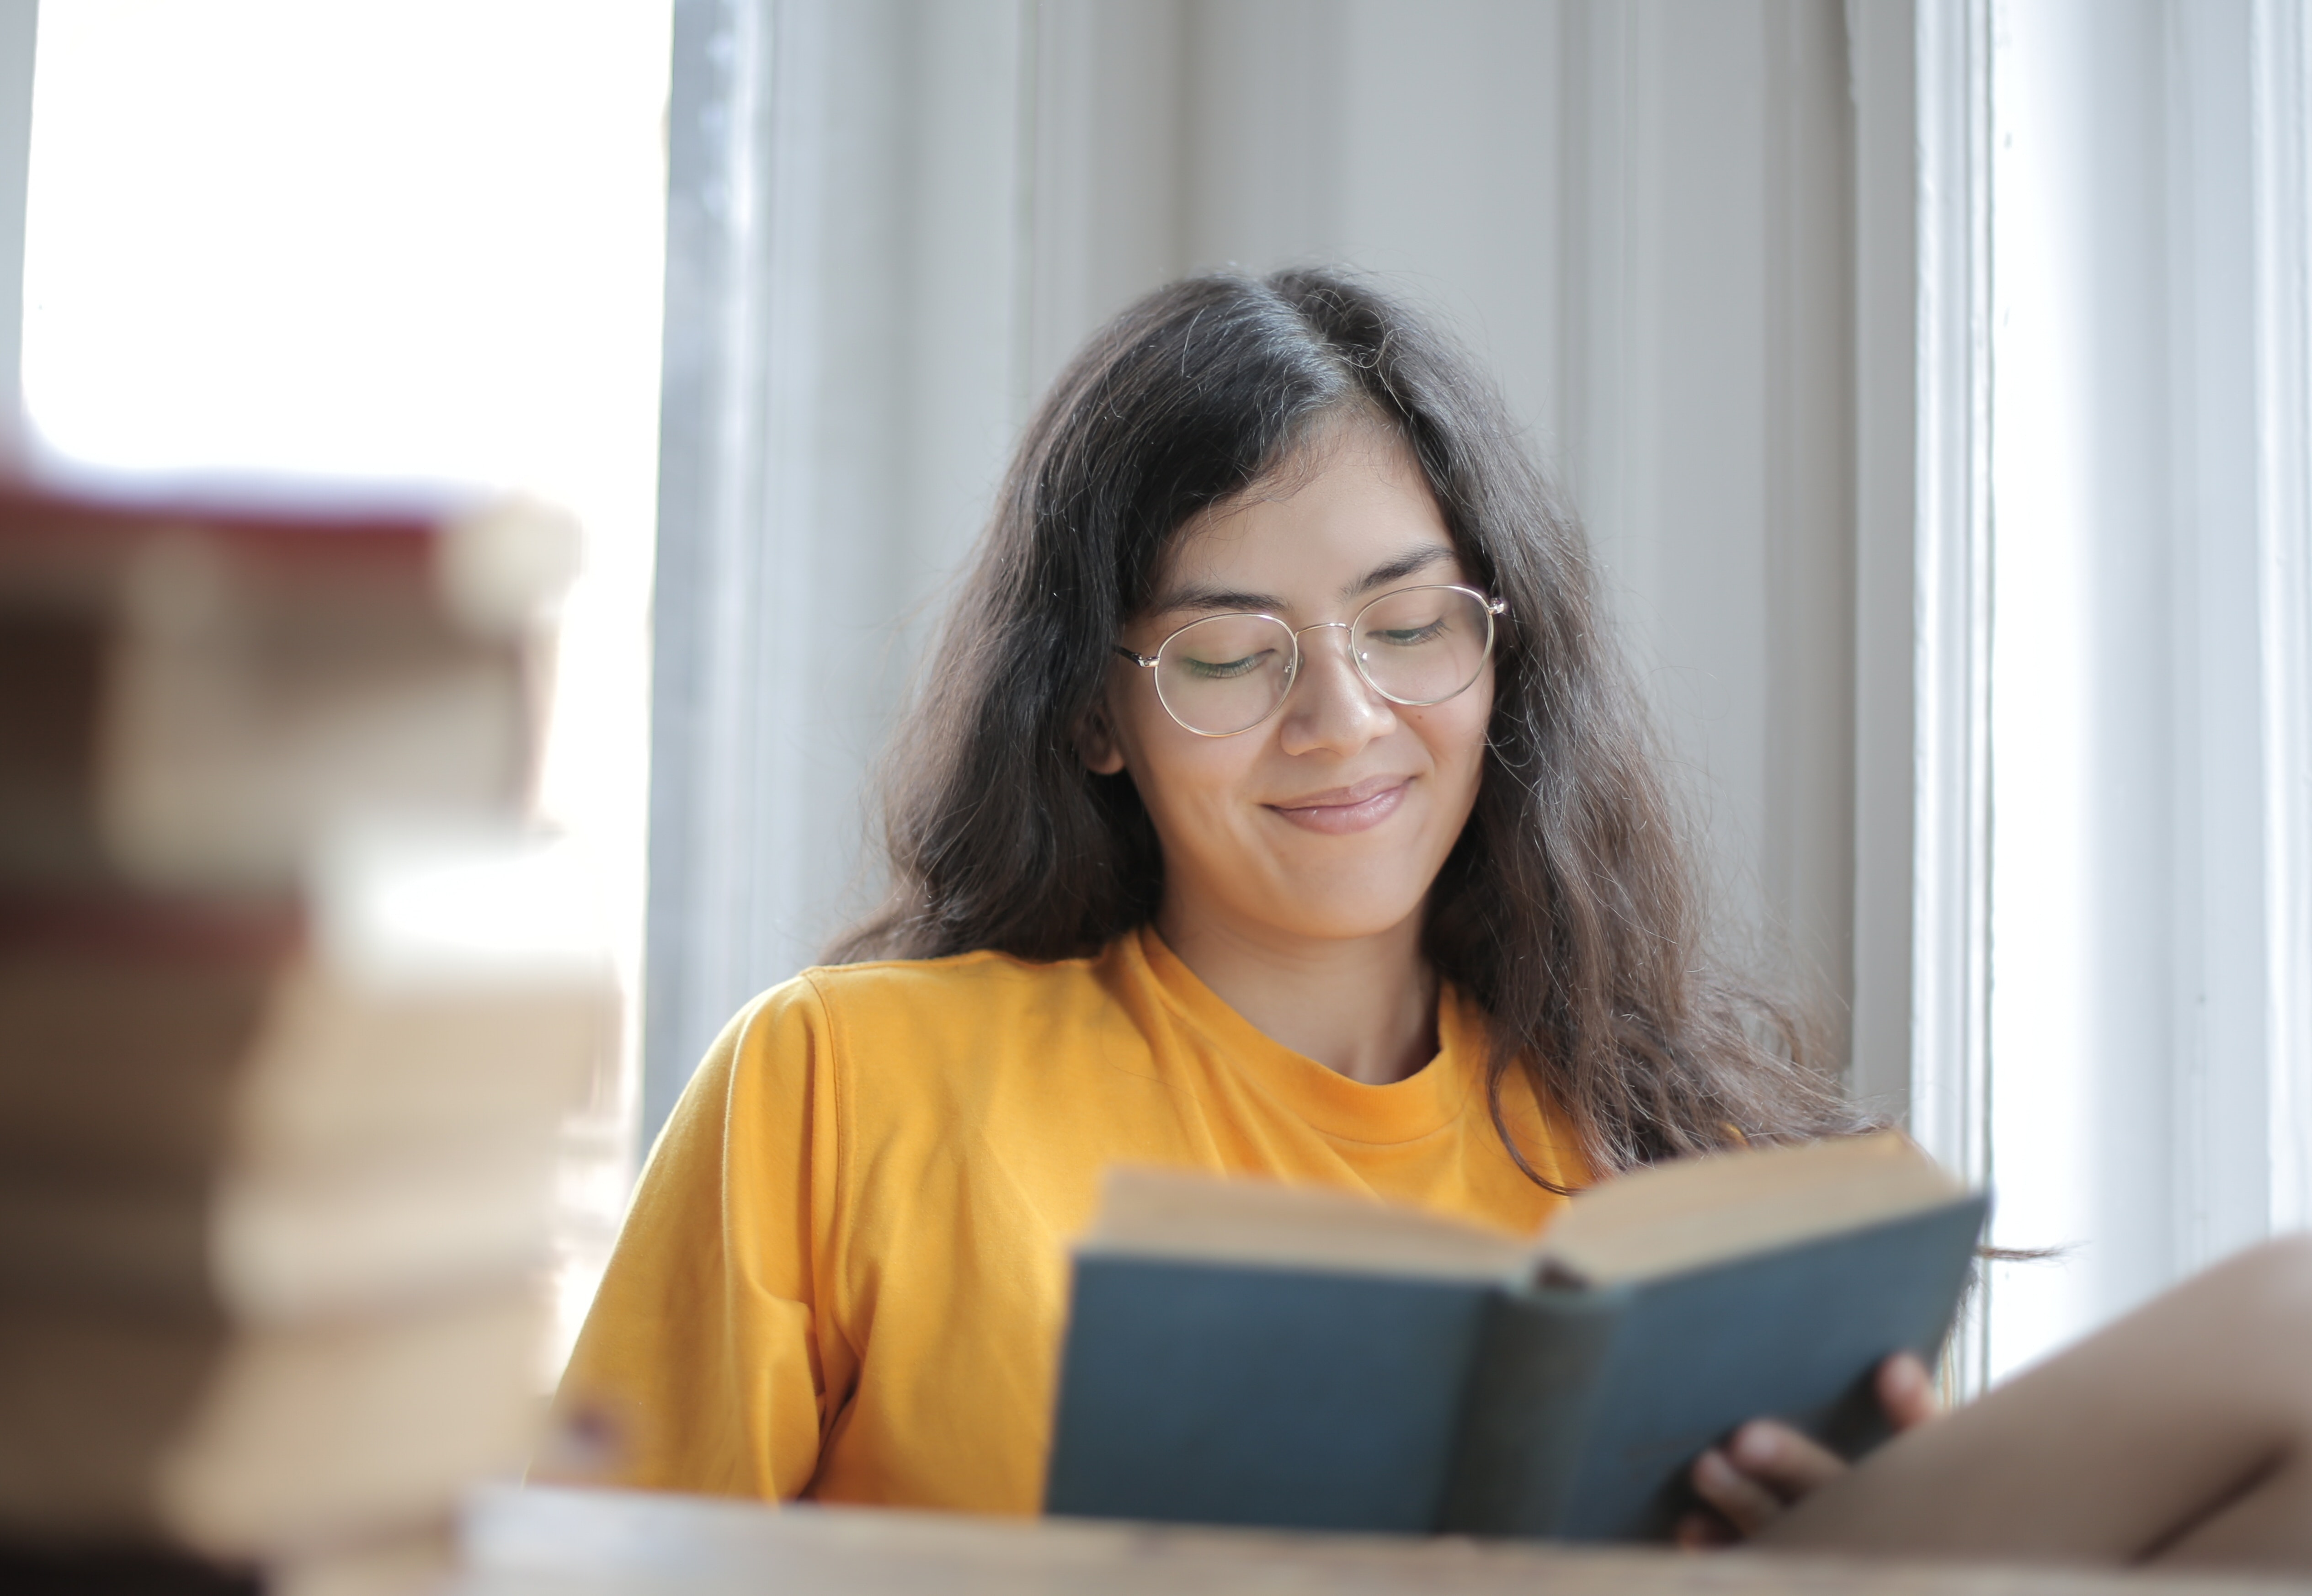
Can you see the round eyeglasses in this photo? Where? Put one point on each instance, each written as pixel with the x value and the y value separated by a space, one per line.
pixel 1414 646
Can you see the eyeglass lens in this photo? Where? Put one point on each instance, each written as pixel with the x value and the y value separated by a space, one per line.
pixel 1415 646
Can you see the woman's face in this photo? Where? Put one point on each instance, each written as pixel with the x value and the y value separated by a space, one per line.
pixel 1330 818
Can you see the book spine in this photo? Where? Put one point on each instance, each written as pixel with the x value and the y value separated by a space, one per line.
pixel 1533 1388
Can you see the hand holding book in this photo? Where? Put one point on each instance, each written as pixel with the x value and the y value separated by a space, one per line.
pixel 1766 1467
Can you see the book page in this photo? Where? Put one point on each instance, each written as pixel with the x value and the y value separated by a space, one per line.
pixel 1676 1216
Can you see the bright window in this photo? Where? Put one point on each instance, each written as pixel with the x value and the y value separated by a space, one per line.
pixel 414 241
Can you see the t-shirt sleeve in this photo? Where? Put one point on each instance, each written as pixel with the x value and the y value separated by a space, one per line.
pixel 713 1360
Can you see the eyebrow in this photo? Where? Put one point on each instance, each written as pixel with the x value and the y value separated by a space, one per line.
pixel 1220 600
pixel 1408 563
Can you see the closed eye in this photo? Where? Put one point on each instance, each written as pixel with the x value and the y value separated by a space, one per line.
pixel 1411 636
pixel 1223 669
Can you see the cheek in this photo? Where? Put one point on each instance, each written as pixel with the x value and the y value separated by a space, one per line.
pixel 1182 778
pixel 1454 732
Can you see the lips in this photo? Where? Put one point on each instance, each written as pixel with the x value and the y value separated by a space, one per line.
pixel 1339 810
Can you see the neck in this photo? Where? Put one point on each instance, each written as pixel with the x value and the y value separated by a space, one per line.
pixel 1364 1006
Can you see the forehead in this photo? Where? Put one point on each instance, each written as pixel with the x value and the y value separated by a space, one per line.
pixel 1351 506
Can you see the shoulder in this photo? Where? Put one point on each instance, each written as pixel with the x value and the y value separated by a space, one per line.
pixel 913 1012
pixel 909 1057
pixel 984 977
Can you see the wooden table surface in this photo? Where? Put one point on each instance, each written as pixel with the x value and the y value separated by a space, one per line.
pixel 541 1542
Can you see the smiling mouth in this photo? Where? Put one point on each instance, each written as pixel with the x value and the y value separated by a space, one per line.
pixel 1344 810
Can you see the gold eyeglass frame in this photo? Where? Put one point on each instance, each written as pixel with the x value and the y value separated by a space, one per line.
pixel 1494 610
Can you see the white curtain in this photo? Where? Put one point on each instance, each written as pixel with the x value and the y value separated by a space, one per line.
pixel 893 219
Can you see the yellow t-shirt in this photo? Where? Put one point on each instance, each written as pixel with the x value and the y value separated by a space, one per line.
pixel 845 1271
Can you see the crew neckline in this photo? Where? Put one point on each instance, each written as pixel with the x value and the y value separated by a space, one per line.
pixel 1425 1102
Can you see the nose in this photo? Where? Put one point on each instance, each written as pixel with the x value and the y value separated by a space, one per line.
pixel 1332 707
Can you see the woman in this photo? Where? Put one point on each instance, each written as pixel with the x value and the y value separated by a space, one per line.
pixel 1273 806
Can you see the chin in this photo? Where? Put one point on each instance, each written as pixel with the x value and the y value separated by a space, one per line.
pixel 1363 896
pixel 1322 917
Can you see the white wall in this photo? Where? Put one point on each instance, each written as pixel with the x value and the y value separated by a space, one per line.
pixel 1636 213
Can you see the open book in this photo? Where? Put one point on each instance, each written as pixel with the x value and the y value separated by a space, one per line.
pixel 1242 1352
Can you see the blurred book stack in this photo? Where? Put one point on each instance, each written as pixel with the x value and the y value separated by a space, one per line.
pixel 292 1010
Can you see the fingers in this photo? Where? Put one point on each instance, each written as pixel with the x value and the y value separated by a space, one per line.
pixel 1748 1506
pixel 1766 1467
pixel 1788 1465
pixel 1905 1392
pixel 1760 1471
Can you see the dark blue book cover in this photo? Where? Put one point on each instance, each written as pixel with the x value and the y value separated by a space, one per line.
pixel 1245 1394
pixel 1305 1399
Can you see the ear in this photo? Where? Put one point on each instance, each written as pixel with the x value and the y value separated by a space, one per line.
pixel 1096 743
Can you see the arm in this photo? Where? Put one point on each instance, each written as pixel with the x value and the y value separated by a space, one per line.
pixel 712 1360
pixel 2182 1434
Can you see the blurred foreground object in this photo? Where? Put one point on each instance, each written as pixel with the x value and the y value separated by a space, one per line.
pixel 191 691
pixel 291 1011
pixel 608 1543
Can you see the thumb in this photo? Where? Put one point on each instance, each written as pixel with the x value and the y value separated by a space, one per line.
pixel 1905 1392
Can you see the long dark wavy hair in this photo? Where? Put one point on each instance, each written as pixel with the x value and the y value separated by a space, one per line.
pixel 1568 909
